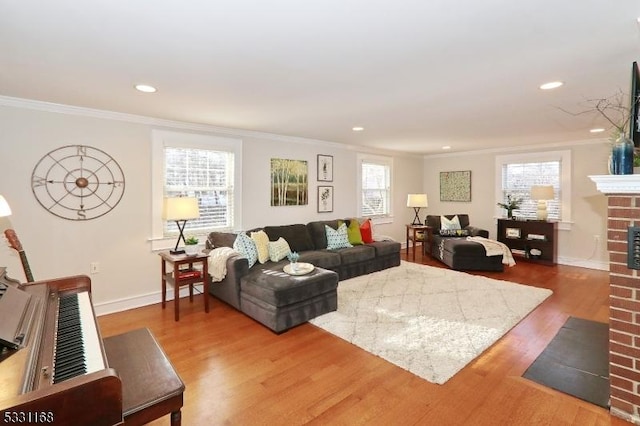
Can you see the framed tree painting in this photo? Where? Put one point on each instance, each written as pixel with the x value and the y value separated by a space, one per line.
pixel 288 182
pixel 455 186
pixel 325 168
pixel 325 199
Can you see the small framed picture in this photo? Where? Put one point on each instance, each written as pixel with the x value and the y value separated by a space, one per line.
pixel 325 199
pixel 512 232
pixel 325 168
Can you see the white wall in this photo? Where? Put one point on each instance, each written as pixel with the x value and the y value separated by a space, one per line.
pixel 589 207
pixel 119 241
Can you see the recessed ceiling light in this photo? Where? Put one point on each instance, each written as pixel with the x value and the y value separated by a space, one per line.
pixel 446 147
pixel 598 130
pixel 551 85
pixel 145 88
pixel 357 129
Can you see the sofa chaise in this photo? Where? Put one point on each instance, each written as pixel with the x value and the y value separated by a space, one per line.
pixel 281 301
pixel 451 247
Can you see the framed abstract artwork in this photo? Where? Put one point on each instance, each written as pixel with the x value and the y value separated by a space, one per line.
pixel 325 199
pixel 325 168
pixel 455 186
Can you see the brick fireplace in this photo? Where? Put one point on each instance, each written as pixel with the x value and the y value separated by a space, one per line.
pixel 623 192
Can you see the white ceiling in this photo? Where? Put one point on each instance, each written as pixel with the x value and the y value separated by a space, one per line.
pixel 416 74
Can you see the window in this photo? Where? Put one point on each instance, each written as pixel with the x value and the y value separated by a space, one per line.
pixel 201 166
pixel 206 175
pixel 374 183
pixel 516 174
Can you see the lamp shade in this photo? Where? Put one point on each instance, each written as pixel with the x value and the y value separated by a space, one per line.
pixel 542 192
pixel 417 200
pixel 180 208
pixel 5 210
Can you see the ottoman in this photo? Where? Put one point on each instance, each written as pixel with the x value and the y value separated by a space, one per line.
pixel 281 301
pixel 463 255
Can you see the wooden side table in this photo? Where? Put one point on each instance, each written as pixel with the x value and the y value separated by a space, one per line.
pixel 174 278
pixel 418 233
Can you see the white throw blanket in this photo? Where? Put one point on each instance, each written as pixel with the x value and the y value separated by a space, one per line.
pixel 218 262
pixel 494 248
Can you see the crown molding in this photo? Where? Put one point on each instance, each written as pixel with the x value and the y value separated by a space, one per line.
pixel 512 149
pixel 180 125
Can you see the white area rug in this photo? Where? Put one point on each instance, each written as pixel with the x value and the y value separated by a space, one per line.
pixel 429 321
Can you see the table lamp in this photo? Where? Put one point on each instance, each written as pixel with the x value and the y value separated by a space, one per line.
pixel 542 193
pixel 417 201
pixel 180 209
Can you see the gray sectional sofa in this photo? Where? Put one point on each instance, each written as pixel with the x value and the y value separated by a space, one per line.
pixel 281 301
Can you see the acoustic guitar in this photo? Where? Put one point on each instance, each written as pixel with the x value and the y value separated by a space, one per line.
pixel 14 243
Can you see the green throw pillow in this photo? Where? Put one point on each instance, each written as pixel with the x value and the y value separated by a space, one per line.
pixel 353 232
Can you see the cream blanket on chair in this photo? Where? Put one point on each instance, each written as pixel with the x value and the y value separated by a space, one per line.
pixel 218 262
pixel 494 248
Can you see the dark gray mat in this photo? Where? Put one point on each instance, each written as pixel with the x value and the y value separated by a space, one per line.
pixel 576 361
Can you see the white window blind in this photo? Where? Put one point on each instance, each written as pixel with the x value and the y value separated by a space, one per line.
pixel 518 178
pixel 207 175
pixel 376 188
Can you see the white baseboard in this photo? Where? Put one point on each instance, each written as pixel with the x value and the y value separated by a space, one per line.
pixel 141 300
pixel 584 263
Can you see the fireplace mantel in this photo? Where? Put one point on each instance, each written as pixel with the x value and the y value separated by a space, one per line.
pixel 617 184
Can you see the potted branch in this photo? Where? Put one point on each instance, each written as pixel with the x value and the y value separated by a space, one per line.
pixel 616 110
pixel 510 205
pixel 191 246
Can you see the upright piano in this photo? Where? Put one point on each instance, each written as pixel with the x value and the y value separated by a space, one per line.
pixel 54 370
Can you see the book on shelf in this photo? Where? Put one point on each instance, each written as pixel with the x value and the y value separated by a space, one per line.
pixel 537 237
pixel 184 274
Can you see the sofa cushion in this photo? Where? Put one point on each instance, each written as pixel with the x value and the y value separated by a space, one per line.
pixel 296 235
pixel 220 239
pixel 246 247
pixel 318 233
pixel 322 258
pixel 385 248
pixel 337 238
pixel 280 289
pixel 356 254
pixel 463 247
pixel 278 250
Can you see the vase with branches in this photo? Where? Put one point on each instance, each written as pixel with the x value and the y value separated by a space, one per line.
pixel 616 110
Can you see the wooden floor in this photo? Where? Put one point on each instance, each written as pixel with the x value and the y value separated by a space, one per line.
pixel 238 372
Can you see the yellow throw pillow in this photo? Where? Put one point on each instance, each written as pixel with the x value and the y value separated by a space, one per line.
pixel 262 245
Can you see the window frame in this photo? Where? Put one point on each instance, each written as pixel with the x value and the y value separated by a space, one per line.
pixel 163 138
pixel 380 160
pixel 563 156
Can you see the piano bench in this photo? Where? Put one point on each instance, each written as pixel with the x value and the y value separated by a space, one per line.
pixel 151 388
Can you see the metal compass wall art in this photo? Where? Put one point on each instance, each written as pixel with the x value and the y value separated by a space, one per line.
pixel 77 182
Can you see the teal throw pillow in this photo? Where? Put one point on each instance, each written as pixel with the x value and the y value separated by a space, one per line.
pixel 337 238
pixel 246 247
